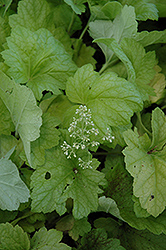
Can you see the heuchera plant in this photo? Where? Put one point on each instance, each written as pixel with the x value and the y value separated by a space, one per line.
pixel 83 125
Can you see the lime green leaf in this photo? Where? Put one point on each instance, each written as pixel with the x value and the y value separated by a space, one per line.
pixel 63 15
pixel 138 63
pixel 124 25
pixel 24 112
pixel 56 106
pixel 115 47
pixel 120 189
pixel 158 129
pixel 49 182
pixel 147 38
pixel 61 35
pixel 160 4
pixel 84 191
pixel 77 5
pixel 13 238
pixel 97 240
pixel 56 181
pixel 111 99
pixel 4 5
pixel 6 125
pixel 41 62
pixel 143 64
pixel 84 55
pixel 32 15
pixel 79 228
pixel 48 240
pixel 13 189
pixel 49 137
pixel 158 83
pixel 147 165
pixel 111 9
pixel 144 10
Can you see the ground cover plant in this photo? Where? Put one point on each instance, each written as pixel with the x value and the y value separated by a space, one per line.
pixel 83 125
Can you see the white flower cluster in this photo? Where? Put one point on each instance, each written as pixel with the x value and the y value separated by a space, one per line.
pixel 84 164
pixel 80 130
pixel 108 136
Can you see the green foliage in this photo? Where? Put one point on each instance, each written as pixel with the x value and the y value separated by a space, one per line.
pixel 82 124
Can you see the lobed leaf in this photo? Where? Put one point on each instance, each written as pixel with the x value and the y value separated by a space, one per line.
pixel 41 61
pixel 13 238
pixel 24 112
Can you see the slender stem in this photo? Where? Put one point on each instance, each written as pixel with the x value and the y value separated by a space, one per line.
pixel 84 30
pixel 21 218
pixel 139 118
pixel 108 64
pixel 71 22
pixel 163 107
pixel 79 42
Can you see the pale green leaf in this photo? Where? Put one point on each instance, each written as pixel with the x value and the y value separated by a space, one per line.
pixel 108 205
pixel 111 99
pixel 120 189
pixel 97 240
pixel 79 228
pixel 48 240
pixel 77 5
pixel 13 189
pixel 124 25
pixel 49 137
pixel 32 15
pixel 147 165
pixel 24 112
pixel 41 61
pixel 13 238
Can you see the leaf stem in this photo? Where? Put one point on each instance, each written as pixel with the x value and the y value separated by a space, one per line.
pixel 79 42
pixel 28 214
pixel 140 121
pixel 71 22
pixel 108 64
